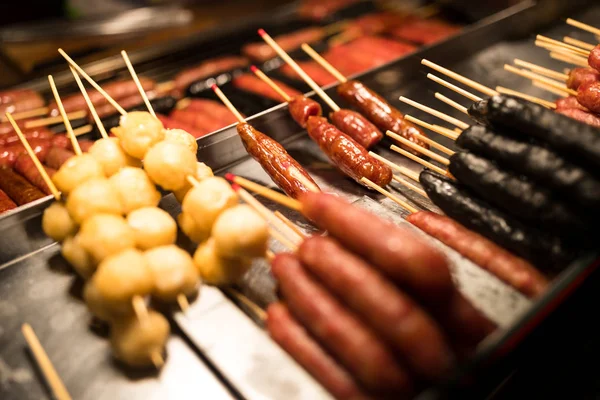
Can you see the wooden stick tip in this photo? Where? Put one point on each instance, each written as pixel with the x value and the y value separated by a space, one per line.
pixel 253 68
pixel 236 187
pixel 262 32
pixel 214 87
pixel 230 177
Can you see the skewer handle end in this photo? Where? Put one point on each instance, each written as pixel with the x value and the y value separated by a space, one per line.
pixel 253 68
pixel 262 32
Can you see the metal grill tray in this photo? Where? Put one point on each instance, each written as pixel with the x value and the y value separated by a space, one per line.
pixel 229 356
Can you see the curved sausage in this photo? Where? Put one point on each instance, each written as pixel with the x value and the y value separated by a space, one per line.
pixel 565 103
pixel 301 108
pixel 346 154
pixel 253 84
pixel 17 187
pixel 580 115
pixel 509 268
pixel 10 153
pixel 580 76
pixel 588 96
pixel 286 172
pixel 27 169
pixel 357 127
pixel 380 112
pixel 354 345
pixel 594 58
pixel 6 204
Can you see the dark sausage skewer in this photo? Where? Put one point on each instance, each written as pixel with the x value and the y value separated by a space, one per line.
pixel 18 188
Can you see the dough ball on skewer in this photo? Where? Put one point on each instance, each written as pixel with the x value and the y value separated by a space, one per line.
pixel 79 259
pixel 217 270
pixel 95 303
pixel 207 200
pixel 174 272
pixel 135 189
pixel 75 171
pixel 138 132
pixel 182 137
pixel 57 223
pixel 111 156
pixel 152 227
pixel 191 230
pixel 120 277
pixel 94 197
pixel 203 171
pixel 103 235
pixel 240 232
pixel 136 342
pixel 169 164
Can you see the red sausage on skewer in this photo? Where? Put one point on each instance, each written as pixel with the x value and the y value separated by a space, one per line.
pixel 6 204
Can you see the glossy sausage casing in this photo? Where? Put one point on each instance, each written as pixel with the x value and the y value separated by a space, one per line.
pixel 357 127
pixel 301 108
pixel 588 95
pixel 594 58
pixel 380 112
pixel 18 188
pixel 581 76
pixel 6 202
pixel 286 172
pixel 346 154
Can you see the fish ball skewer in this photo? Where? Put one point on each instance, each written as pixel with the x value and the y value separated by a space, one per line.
pixel 152 227
pixel 174 273
pixel 203 171
pixel 209 198
pixel 135 189
pixel 111 156
pixel 240 232
pixel 217 270
pixel 57 223
pixel 169 164
pixel 138 132
pixel 103 235
pixel 182 137
pixel 79 259
pixel 75 171
pixel 93 197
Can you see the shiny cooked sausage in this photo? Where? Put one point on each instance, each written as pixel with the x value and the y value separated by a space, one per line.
pixel 6 203
pixel 34 133
pixel 566 103
pixel 27 169
pixel 594 58
pixel 582 75
pixel 26 100
pixel 301 108
pixel 346 154
pixel 357 127
pixel 57 156
pixel 583 116
pixel 18 188
pixel 588 96
pixel 253 84
pixel 10 153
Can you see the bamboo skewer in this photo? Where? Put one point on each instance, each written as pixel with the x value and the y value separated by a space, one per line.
pixel 578 43
pixel 265 192
pixel 66 121
pixel 262 76
pixel 82 130
pixel 548 88
pixel 269 40
pixel 539 78
pixel 436 113
pixel 582 26
pixel 409 185
pixel 140 309
pixel 545 103
pixel 227 103
pixel 403 170
pixel 455 88
pixel 557 48
pixel 466 81
pixel 53 120
pixel 324 63
pixel 56 384
pixel 183 303
pixel 381 190
pixel 420 149
pixel 569 58
pixel 34 158
pixel 444 132
pixel 541 70
pixel 275 234
pixel 89 104
pixel 575 49
pixel 451 103
pixel 290 224
pixel 157 360
pixel 431 142
pixel 37 112
pixel 424 163
pixel 258 312
pixel 137 82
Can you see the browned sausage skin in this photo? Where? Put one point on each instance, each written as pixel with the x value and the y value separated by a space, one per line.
pixel 581 76
pixel 26 168
pixel 17 187
pixel 6 204
pixel 294 339
pixel 301 108
pixel 357 127
pixel 588 96
pixel 594 58
pixel 286 172
pixel 354 345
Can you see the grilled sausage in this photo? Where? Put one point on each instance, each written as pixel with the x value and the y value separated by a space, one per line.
pixel 379 49
pixel 10 153
pixel 357 127
pixel 6 204
pixel 547 252
pixel 200 121
pixel 35 133
pixel 346 154
pixel 380 112
pixel 27 169
pixel 170 123
pixel 318 10
pixel 513 194
pixel 588 96
pixel 60 140
pixel 10 96
pixel 255 85
pixel 581 76
pixel 535 161
pixel 286 172
pixel 566 103
pixel 207 69
pixel 301 108
pixel 594 58
pixel 261 51
pixel 17 187
pixel 24 101
pixel 583 116
pixel 509 268
pixel 314 70
pixel 294 339
pixel 424 31
pixel 212 108
pixel 356 346
pixel 57 156
pixel 390 313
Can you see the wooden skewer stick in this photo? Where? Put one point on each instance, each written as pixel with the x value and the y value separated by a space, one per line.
pixel 466 81
pixel 157 359
pixel 542 70
pixel 578 43
pixel 290 224
pixel 420 149
pixel 431 142
pixel 54 120
pixel 140 309
pixel 258 312
pixel 56 384
pixel 37 112
pixel 183 303
pixel 227 103
pixel 409 185
pixel 183 103
pixel 275 234
pixel 262 76
pixel 564 45
pixel 164 87
pixel 269 40
pixel 436 113
pixel 34 158
pixel 569 58
pixel 452 103
pixel 81 72
pixel 66 121
pixel 82 130
pixel 269 256
pixel 390 196
pixel 535 77
pixel 527 97
pixel 554 47
pixel 424 163
pixel 324 63
pixel 89 104
pixel 454 88
pixel 585 27
pixel 403 170
pixel 444 132
pixel 265 192
pixel 137 82
pixel 548 88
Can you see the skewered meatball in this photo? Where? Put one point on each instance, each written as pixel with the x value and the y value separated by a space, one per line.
pixel 169 164
pixel 121 277
pixel 95 302
pixel 138 131
pixel 203 171
pixel 182 137
pixel 75 171
pixel 103 235
pixel 174 272
pixel 152 227
pixel 217 270
pixel 110 155
pixel 188 226
pixel 78 257
pixel 135 189
pixel 240 232
pixel 93 197
pixel 57 223
pixel 207 200
pixel 134 342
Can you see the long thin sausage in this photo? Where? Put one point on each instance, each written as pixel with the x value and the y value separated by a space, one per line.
pixel 6 204
pixel 17 187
